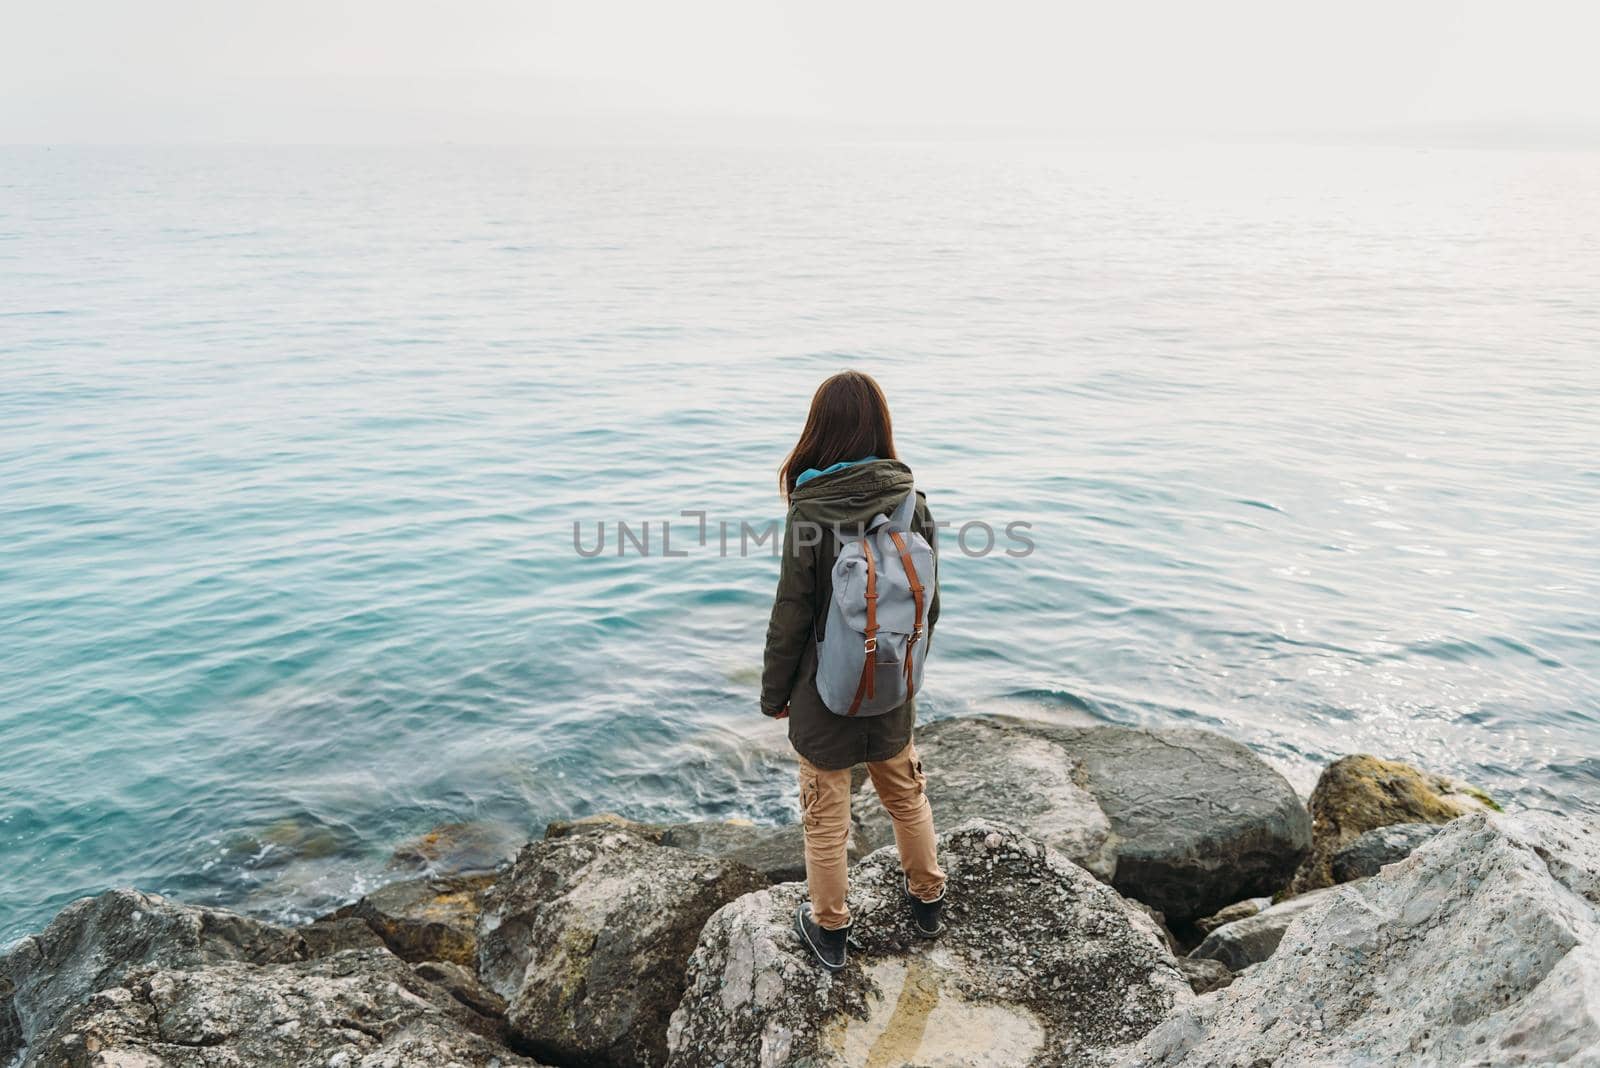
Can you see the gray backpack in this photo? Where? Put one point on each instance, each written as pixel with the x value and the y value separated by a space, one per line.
pixel 872 649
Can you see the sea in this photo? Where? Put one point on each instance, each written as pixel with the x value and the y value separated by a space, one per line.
pixel 349 492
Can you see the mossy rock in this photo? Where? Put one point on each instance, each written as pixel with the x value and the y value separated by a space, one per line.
pixel 1361 793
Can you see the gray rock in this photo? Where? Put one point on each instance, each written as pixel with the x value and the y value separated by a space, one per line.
pixel 1481 948
pixel 358 1009
pixel 586 937
pixel 1002 768
pixel 330 935
pixel 1041 964
pixel 1236 911
pixel 1204 974
pixel 464 985
pixel 425 919
pixel 776 852
pixel 95 941
pixel 1372 850
pixel 1184 820
pixel 1252 939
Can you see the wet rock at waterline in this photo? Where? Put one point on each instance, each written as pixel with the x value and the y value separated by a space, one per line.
pixel 1369 852
pixel 1253 938
pixel 425 919
pixel 458 848
pixel 586 937
pixel 599 823
pixel 776 852
pixel 294 838
pixel 1041 964
pixel 1184 820
pixel 1357 794
pixel 1481 948
pixel 95 941
pixel 358 1009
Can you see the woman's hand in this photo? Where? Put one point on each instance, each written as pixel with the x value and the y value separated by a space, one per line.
pixel 782 713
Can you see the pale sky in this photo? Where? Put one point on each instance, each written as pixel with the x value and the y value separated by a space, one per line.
pixel 501 70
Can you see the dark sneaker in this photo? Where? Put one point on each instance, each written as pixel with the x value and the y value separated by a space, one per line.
pixel 926 916
pixel 829 947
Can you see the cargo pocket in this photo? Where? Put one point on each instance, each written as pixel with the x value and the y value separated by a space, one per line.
pixel 916 773
pixel 808 801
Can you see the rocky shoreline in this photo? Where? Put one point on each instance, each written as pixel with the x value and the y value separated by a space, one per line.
pixel 1118 897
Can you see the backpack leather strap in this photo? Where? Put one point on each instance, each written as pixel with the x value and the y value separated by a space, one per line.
pixel 916 596
pixel 870 664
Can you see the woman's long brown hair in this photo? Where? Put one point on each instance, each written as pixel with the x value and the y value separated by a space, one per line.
pixel 849 420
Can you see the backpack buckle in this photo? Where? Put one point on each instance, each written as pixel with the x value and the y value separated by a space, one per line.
pixel 872 645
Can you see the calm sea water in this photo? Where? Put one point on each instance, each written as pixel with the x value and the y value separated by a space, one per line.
pixel 292 443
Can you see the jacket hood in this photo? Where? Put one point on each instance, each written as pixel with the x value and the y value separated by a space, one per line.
pixel 851 497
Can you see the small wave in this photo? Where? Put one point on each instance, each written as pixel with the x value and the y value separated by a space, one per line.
pixel 1057 698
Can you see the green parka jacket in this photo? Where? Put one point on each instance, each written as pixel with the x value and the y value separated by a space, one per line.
pixel 844 499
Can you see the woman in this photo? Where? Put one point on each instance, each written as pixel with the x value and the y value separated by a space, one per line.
pixel 842 474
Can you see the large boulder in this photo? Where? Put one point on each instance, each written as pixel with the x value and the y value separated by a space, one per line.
pixel 1481 948
pixel 776 852
pixel 1357 794
pixel 1041 964
pixel 425 919
pixel 1368 853
pixel 1252 939
pixel 1184 820
pixel 586 937
pixel 95 941
pixel 1003 768
pixel 357 1009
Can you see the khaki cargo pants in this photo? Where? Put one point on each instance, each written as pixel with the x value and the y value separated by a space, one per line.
pixel 825 811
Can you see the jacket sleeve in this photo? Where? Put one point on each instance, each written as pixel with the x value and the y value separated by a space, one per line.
pixel 922 519
pixel 793 609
